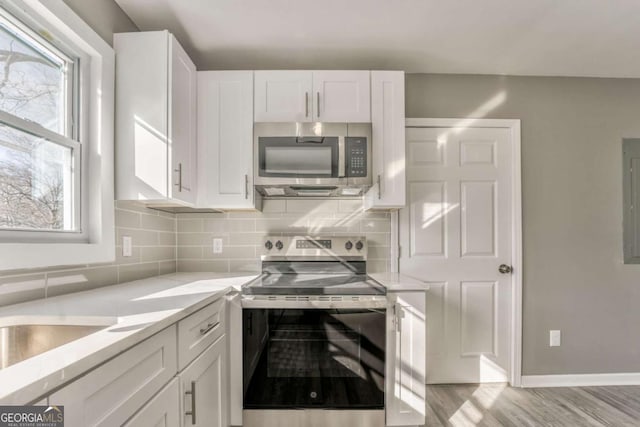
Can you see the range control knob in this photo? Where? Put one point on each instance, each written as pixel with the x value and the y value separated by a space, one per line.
pixel 279 245
pixel 359 245
pixel 268 245
pixel 348 245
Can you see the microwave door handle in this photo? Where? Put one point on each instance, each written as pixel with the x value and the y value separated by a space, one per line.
pixel 341 158
pixel 310 140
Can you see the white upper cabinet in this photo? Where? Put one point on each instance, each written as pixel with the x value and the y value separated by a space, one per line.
pixel 155 119
pixel 341 96
pixel 225 139
pixel 283 96
pixel 388 141
pixel 318 96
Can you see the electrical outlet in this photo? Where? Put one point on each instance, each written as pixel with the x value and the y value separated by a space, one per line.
pixel 127 244
pixel 217 246
pixel 554 338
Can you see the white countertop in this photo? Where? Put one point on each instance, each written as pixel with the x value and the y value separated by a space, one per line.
pixel 135 310
pixel 398 282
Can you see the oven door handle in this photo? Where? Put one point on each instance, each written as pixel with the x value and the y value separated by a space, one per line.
pixel 377 304
pixel 341 158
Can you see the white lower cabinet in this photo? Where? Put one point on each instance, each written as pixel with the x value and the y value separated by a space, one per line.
pixel 143 386
pixel 406 364
pixel 203 387
pixel 161 411
pixel 110 394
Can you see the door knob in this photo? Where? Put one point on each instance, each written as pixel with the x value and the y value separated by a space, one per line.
pixel 505 269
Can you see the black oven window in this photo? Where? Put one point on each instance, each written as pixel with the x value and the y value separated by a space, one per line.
pixel 314 358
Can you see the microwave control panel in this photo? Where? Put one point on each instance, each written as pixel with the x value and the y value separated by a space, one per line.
pixel 356 156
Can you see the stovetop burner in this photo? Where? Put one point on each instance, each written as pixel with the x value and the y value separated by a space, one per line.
pixel 313 284
pixel 314 266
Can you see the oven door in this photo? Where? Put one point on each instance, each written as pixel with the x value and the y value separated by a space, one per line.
pixel 313 358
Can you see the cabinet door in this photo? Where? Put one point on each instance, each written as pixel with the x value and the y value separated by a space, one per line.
pixel 142 100
pixel 161 411
pixel 203 387
pixel 225 139
pixel 405 371
pixel 110 394
pixel 388 141
pixel 341 96
pixel 182 123
pixel 283 96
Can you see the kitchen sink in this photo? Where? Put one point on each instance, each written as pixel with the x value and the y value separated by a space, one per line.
pixel 22 341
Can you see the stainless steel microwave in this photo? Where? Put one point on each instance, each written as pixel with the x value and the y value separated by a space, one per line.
pixel 312 159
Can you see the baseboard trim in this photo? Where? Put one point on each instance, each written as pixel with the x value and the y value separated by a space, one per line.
pixel 581 380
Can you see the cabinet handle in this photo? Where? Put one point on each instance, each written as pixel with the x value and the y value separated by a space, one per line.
pixel 192 412
pixel 246 186
pixel 318 103
pixel 209 327
pixel 179 183
pixel 397 314
pixel 250 325
pixel 379 188
pixel 306 104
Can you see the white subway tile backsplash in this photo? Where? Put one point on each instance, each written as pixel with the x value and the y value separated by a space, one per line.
pixel 127 273
pixel 311 206
pixel 243 232
pixel 189 252
pixel 159 223
pixel 153 235
pixel 190 225
pixel 157 253
pixel 269 206
pixel 22 288
pixel 68 281
pixel 127 219
pixel 164 243
pixel 219 266
pixel 230 252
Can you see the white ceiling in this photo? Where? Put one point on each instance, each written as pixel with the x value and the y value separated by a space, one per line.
pixel 519 37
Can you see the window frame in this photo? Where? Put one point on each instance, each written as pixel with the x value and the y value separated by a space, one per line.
pixel 71 127
pixel 94 76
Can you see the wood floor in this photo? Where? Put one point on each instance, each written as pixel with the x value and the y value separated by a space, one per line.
pixel 500 405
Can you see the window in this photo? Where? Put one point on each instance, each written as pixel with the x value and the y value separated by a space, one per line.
pixel 40 156
pixel 56 138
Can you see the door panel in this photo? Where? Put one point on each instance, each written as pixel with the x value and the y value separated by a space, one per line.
pixel 427 207
pixel 341 96
pixel 183 125
pixel 457 229
pixel 478 218
pixel 283 96
pixel 225 139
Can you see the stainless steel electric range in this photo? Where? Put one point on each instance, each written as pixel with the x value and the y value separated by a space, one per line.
pixel 313 336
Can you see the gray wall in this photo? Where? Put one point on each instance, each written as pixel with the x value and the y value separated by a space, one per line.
pixel 574 277
pixel 104 16
pixel 242 232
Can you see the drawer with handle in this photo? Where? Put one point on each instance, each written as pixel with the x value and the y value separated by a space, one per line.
pixel 199 330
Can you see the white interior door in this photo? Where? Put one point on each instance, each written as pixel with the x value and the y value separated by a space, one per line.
pixel 455 233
